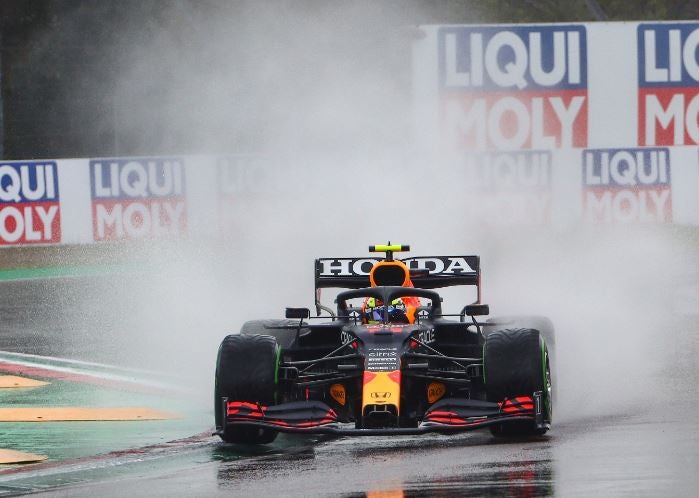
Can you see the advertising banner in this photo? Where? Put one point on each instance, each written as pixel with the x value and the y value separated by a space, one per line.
pixel 506 188
pixel 668 84
pixel 627 185
pixel 29 203
pixel 513 87
pixel 138 198
pixel 239 177
pixel 613 105
pixel 527 124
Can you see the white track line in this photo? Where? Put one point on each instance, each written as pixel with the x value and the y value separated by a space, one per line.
pixel 80 362
pixel 78 371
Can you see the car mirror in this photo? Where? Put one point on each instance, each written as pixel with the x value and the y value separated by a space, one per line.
pixel 476 310
pixel 298 313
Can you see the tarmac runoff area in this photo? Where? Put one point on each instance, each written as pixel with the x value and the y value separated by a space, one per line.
pixel 52 409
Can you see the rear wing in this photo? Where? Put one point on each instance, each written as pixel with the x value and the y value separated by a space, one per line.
pixel 426 272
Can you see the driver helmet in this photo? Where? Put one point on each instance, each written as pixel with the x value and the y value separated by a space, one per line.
pixel 374 311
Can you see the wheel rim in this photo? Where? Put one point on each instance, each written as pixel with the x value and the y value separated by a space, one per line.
pixel 547 384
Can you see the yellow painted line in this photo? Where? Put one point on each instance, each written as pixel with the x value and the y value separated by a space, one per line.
pixel 79 414
pixel 12 456
pixel 388 493
pixel 10 381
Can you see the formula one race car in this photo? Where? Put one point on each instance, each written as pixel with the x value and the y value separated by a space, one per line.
pixel 387 360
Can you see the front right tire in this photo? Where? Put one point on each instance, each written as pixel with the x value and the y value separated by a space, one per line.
pixel 516 363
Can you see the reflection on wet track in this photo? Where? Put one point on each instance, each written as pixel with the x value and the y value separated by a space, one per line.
pixel 640 455
pixel 424 466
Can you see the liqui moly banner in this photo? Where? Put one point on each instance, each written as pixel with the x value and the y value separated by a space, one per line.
pixel 29 203
pixel 668 84
pixel 509 187
pixel 627 185
pixel 138 198
pixel 240 178
pixel 513 87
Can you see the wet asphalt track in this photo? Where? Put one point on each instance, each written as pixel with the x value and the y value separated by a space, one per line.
pixel 649 454
pixel 649 449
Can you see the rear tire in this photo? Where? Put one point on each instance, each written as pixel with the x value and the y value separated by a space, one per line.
pixel 246 370
pixel 516 363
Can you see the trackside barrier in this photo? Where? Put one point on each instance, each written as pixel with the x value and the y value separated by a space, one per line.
pixel 123 200
pixel 514 106
pixel 545 124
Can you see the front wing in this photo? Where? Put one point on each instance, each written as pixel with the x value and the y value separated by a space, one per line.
pixel 445 416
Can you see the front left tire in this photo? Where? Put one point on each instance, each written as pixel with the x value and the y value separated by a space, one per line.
pixel 246 370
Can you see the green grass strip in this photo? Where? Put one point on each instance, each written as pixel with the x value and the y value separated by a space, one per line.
pixel 67 271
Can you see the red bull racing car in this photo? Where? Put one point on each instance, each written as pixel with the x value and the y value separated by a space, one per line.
pixel 386 360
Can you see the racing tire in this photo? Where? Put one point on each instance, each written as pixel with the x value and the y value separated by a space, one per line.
pixel 541 323
pixel 283 330
pixel 516 363
pixel 246 370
